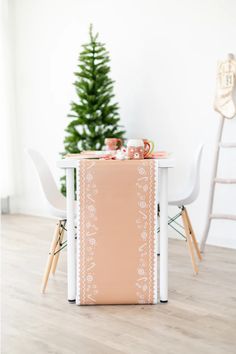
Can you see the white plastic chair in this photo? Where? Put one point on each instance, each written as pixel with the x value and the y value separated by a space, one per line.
pixel 56 201
pixel 191 190
pixel 185 197
pixel 57 207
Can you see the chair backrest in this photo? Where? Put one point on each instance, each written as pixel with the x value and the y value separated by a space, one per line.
pixel 51 192
pixel 193 185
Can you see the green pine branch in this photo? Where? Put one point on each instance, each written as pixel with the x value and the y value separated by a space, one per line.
pixel 94 115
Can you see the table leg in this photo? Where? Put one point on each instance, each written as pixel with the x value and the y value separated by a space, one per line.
pixel 71 259
pixel 158 214
pixel 163 188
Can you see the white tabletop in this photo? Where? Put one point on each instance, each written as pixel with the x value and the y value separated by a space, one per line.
pixel 72 163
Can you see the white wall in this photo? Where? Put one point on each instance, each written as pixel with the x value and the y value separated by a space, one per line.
pixel 7 96
pixel 164 56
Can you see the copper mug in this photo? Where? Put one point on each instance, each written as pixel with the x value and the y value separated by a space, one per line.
pixel 148 147
pixel 139 148
pixel 113 144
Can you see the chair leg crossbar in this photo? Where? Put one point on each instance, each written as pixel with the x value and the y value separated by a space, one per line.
pixel 171 220
pixel 189 235
pixel 57 245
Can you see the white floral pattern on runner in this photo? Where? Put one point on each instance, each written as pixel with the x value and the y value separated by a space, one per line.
pixel 104 185
pixel 144 221
pixel 88 228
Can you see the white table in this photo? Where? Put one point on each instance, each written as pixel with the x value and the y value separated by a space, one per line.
pixel 69 165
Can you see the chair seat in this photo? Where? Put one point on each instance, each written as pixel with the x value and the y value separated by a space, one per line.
pixel 60 213
pixel 178 200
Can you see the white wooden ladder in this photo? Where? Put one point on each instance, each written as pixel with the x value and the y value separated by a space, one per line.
pixel 216 180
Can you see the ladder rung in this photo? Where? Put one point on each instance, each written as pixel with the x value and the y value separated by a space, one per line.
pixel 225 180
pixel 223 216
pixel 228 145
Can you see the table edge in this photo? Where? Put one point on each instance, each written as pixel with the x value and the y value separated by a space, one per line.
pixel 72 163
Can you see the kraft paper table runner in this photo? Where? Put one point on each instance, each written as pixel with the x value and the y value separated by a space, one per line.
pixel 116 232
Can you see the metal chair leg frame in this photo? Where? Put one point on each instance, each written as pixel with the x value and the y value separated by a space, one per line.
pixel 59 244
pixel 190 235
pixel 50 257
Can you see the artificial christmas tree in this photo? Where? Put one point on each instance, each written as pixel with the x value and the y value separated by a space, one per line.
pixel 95 116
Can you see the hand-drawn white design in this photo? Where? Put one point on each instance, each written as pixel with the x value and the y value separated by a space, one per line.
pixel 88 233
pixel 144 222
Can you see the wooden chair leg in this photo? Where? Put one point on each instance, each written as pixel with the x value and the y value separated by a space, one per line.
pixel 189 241
pixel 50 258
pixel 56 257
pixel 193 237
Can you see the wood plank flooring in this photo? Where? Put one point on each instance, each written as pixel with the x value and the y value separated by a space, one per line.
pixel 199 318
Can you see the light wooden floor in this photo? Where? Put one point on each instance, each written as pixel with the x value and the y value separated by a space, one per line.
pixel 199 318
